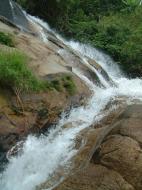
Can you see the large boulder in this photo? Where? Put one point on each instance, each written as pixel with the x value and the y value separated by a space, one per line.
pixel 117 162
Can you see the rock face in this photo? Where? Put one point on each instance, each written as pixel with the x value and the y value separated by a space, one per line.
pixel 12 11
pixel 117 162
pixel 5 9
pixel 43 109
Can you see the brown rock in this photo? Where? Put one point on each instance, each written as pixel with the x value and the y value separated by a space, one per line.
pixel 41 110
pixel 117 161
pixel 96 177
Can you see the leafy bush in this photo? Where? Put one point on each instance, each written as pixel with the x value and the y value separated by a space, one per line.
pixel 15 74
pixel 122 39
pixel 6 39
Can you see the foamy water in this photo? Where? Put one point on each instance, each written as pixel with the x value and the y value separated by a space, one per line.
pixel 41 157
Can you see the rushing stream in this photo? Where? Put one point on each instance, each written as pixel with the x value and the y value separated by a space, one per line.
pixel 41 157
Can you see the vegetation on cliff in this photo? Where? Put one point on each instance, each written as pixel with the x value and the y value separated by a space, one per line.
pixel 114 26
pixel 15 74
pixel 6 39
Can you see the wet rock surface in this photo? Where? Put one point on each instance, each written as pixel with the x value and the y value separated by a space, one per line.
pixel 37 112
pixel 41 111
pixel 13 12
pixel 116 163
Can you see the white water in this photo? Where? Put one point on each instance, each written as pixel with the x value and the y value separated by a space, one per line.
pixel 43 156
pixel 39 27
pixel 101 77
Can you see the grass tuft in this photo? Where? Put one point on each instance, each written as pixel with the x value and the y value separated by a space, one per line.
pixel 15 74
pixel 6 39
pixel 69 84
pixel 56 85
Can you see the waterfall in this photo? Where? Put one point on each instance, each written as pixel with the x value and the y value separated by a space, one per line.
pixel 40 27
pixel 42 157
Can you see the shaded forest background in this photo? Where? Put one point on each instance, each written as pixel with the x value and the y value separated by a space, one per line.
pixel 114 26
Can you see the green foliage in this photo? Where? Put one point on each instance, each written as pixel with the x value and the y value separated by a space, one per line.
pixel 64 83
pixel 15 74
pixel 56 85
pixel 122 39
pixel 114 26
pixel 132 2
pixel 70 87
pixel 69 84
pixel 6 39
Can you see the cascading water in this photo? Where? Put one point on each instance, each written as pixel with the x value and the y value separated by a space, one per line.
pixel 40 27
pixel 43 156
pixel 101 58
